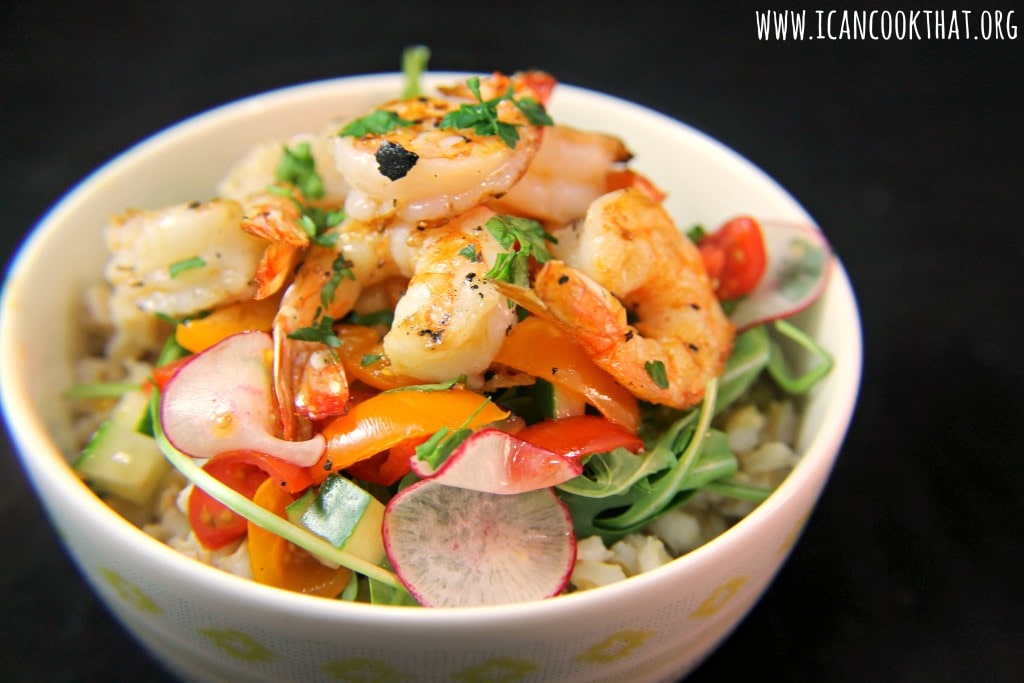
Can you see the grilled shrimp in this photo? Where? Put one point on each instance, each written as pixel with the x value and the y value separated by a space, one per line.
pixel 451 320
pixel 308 381
pixel 258 167
pixel 177 261
pixel 570 170
pixel 627 253
pixel 423 174
pixel 275 218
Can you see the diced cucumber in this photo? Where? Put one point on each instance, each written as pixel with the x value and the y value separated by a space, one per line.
pixel 122 462
pixel 555 402
pixel 132 410
pixel 345 515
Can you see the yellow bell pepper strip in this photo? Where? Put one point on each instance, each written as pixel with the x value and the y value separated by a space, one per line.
pixel 198 334
pixel 278 562
pixel 538 348
pixel 389 418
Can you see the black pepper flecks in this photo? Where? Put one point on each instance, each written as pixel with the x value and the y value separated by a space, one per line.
pixel 395 161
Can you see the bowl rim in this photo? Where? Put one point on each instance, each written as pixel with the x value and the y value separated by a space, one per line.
pixel 29 434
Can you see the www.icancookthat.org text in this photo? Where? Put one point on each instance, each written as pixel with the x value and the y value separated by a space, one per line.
pixel 867 25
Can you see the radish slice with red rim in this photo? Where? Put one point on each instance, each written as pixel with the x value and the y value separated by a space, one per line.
pixel 222 400
pixel 454 547
pixel 799 261
pixel 494 461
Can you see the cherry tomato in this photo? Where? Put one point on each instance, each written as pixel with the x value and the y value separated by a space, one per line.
pixel 215 524
pixel 277 562
pixel 580 435
pixel 734 256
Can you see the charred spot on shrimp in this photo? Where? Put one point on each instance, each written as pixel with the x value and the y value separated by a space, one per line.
pixel 395 161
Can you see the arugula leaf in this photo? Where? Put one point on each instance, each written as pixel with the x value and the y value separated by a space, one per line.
pixel 482 116
pixel 179 267
pixel 298 167
pixel 521 238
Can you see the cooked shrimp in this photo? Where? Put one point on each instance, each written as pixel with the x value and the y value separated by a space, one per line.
pixel 451 320
pixel 275 218
pixel 627 253
pixel 570 170
pixel 308 381
pixel 423 174
pixel 258 167
pixel 177 261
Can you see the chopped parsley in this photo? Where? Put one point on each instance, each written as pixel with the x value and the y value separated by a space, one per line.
pixel 298 167
pixel 322 331
pixel 341 268
pixel 656 370
pixel 314 221
pixel 482 117
pixel 370 359
pixel 469 251
pixel 378 122
pixel 179 267
pixel 521 239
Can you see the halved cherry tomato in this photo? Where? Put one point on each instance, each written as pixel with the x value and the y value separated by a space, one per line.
pixel 214 523
pixel 538 348
pixel 163 374
pixel 389 418
pixel 277 562
pixel 734 256
pixel 580 435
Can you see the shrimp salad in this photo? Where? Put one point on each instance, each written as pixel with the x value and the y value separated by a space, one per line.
pixel 451 352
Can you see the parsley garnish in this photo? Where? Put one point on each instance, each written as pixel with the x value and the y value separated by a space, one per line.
pixel 179 267
pixel 521 238
pixel 314 221
pixel 469 251
pixel 298 167
pixel 341 268
pixel 656 370
pixel 370 359
pixel 482 117
pixel 444 441
pixel 382 317
pixel 320 331
pixel 378 122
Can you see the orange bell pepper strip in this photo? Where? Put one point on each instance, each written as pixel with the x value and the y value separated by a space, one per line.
pixel 198 334
pixel 278 562
pixel 387 419
pixel 362 354
pixel 538 348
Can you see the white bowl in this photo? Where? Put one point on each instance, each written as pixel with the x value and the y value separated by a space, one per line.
pixel 204 624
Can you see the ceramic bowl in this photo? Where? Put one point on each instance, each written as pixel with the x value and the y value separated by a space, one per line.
pixel 204 624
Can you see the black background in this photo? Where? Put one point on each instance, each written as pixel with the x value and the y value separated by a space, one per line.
pixel 908 154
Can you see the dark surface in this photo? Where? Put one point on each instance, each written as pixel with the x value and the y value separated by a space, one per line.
pixel 908 153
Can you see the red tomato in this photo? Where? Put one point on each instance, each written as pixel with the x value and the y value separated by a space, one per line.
pixel 387 467
pixel 214 523
pixel 580 435
pixel 734 256
pixel 163 374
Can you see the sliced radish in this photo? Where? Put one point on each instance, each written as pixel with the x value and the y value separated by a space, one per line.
pixel 453 547
pixel 221 400
pixel 799 263
pixel 494 461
